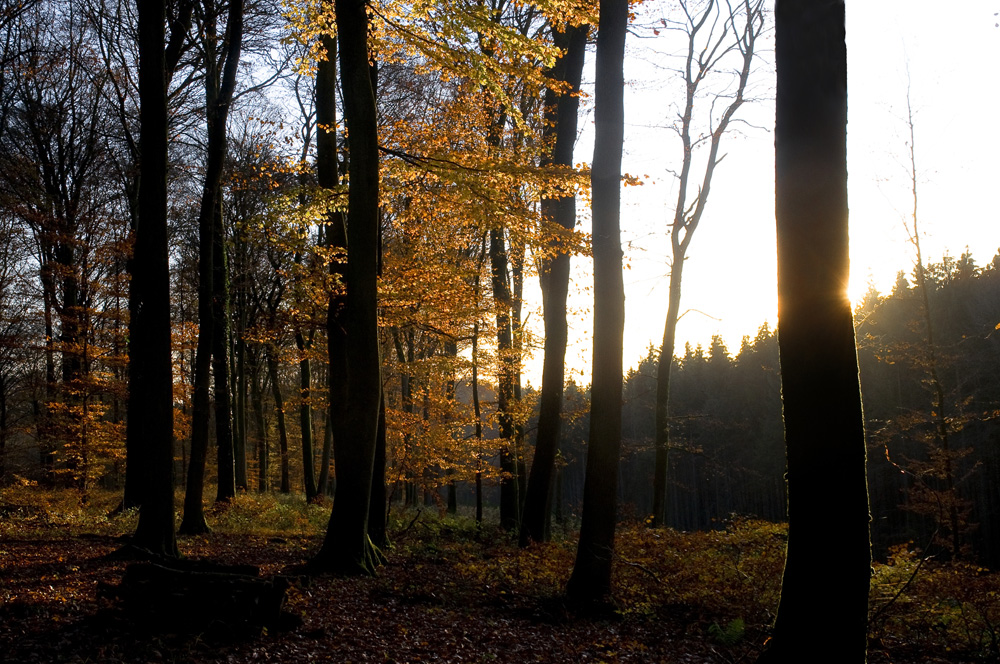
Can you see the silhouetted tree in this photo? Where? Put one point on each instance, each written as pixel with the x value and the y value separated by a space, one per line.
pixel 591 578
pixel 150 372
pixel 824 427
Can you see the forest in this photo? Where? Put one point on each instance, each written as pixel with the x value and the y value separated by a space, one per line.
pixel 265 323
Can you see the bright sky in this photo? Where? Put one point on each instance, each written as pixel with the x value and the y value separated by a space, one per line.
pixel 729 278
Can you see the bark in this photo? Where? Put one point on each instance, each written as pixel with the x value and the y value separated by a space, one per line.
pixel 591 577
pixel 561 115
pixel 824 430
pixel 150 371
pixel 346 547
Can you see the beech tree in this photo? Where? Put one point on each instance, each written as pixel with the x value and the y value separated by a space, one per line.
pixel 714 34
pixel 591 578
pixel 824 427
pixel 346 547
pixel 150 372
pixel 560 117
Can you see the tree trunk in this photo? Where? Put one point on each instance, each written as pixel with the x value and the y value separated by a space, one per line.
pixel 687 216
pixel 150 370
pixel 824 426
pixel 561 114
pixel 346 547
pixel 502 300
pixel 377 507
pixel 661 435
pixel 263 456
pixel 305 417
pixel 240 441
pixel 323 484
pixel 279 409
pixel 591 578
pixel 193 521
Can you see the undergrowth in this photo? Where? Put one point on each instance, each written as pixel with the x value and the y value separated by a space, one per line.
pixel 725 583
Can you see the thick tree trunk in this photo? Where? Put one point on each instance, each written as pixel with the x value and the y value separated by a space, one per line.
pixel 824 430
pixel 346 547
pixel 591 578
pixel 150 371
pixel 561 113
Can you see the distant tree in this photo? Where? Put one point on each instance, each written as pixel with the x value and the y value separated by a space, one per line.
pixel 591 578
pixel 714 33
pixel 824 428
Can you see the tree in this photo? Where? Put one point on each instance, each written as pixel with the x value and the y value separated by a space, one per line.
pixel 222 57
pixel 150 371
pixel 708 49
pixel 591 578
pixel 824 427
pixel 346 547
pixel 561 111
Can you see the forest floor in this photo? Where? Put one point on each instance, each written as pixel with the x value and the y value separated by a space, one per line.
pixel 452 592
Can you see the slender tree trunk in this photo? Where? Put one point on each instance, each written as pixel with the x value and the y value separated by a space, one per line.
pixel 591 578
pixel 150 371
pixel 953 519
pixel 824 425
pixel 328 177
pixel 193 521
pixel 478 414
pixel 279 409
pixel 323 484
pixel 505 379
pixel 346 547
pixel 687 216
pixel 561 113
pixel 263 456
pixel 240 441
pixel 226 457
pixel 3 427
pixel 377 507
pixel 305 417
pixel 661 436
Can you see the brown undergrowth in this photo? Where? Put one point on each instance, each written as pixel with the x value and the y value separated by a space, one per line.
pixel 454 592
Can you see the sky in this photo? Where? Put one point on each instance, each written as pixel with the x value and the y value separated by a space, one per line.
pixel 948 58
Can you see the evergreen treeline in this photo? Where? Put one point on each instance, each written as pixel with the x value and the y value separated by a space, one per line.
pixel 727 455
